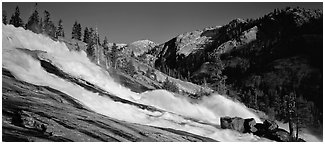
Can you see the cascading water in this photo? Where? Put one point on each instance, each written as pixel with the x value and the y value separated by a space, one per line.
pixel 201 118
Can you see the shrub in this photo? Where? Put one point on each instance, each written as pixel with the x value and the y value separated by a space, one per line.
pixel 170 86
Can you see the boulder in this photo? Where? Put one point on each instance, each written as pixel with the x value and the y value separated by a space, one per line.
pixel 280 135
pixel 235 123
pixel 249 125
pixel 270 125
pixel 271 131
pixel 260 130
pixel 267 129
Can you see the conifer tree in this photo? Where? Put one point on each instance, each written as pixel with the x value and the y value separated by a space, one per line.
pixel 129 68
pixel 33 23
pixel 74 30
pixel 91 44
pixel 86 35
pixel 78 32
pixel 49 26
pixel 16 20
pixel 113 55
pixel 59 30
pixel 4 17
pixel 41 24
pixel 92 36
pixel 105 42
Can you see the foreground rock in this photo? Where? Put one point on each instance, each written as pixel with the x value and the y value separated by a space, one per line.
pixel 37 113
pixel 267 129
pixel 235 123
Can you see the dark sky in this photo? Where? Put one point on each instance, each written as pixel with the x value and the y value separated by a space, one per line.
pixel 159 22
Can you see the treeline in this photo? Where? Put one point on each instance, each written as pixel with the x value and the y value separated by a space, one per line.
pixel 45 25
pixel 36 24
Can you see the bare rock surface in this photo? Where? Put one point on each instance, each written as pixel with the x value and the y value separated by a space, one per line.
pixel 38 113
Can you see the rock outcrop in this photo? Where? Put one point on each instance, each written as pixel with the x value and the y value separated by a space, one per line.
pixel 267 129
pixel 235 123
pixel 43 114
pixel 138 47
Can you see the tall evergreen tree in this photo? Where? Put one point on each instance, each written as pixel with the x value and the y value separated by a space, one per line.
pixel 49 26
pixel 92 36
pixel 303 114
pixel 79 34
pixel 113 55
pixel 33 23
pixel 15 19
pixel 86 35
pixel 105 42
pixel 74 30
pixel 91 44
pixel 59 30
pixel 41 24
pixel 4 17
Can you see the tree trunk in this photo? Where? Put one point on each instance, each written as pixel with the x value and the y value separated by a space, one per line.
pixel 291 128
pixel 297 128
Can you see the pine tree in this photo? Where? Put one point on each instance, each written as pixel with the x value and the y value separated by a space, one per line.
pixel 105 42
pixel 74 32
pixel 59 30
pixel 289 103
pixel 91 35
pixel 41 24
pixel 16 20
pixel 78 30
pixel 91 44
pixel 90 51
pixel 86 35
pixel 170 86
pixel 4 17
pixel 303 114
pixel 113 55
pixel 129 68
pixel 49 26
pixel 33 23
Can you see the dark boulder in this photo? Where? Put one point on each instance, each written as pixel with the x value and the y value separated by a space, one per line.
pixel 271 131
pixel 268 129
pixel 260 130
pixel 235 123
pixel 280 135
pixel 270 125
pixel 249 125
pixel 225 122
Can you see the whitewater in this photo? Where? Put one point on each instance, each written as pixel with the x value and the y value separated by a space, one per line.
pixel 202 118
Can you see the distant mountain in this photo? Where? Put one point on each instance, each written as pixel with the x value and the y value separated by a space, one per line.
pixel 119 45
pixel 139 47
pixel 261 60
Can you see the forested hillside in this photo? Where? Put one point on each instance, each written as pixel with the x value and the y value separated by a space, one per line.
pixel 268 63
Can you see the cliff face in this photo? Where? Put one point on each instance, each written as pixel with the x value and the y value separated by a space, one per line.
pixel 266 58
